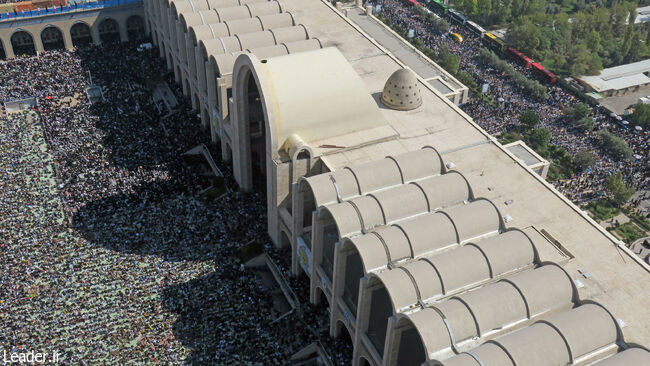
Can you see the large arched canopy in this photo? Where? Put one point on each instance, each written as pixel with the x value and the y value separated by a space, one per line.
pixel 22 43
pixel 109 31
pixel 52 38
pixel 80 34
pixel 322 79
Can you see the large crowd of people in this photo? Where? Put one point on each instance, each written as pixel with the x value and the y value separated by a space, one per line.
pixel 512 101
pixel 109 254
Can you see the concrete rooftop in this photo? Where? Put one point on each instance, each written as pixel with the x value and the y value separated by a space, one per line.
pixel 616 277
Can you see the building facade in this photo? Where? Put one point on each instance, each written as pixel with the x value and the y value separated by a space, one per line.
pixel 65 30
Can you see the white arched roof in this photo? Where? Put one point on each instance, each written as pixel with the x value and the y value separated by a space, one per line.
pixel 560 340
pixel 413 238
pixel 343 184
pixel 474 315
pixel 314 94
pixel 428 278
pixel 362 213
pixel 631 356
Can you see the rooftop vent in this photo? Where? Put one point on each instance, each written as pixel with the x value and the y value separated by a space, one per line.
pixel 402 91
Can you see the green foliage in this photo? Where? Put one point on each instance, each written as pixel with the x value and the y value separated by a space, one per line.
pixel 508 137
pixel 641 115
pixel 448 60
pixel 539 139
pixel 584 124
pixel 529 119
pixel 614 144
pixel 467 79
pixel 597 36
pixel 617 188
pixel 603 209
pixel 640 220
pixel 583 160
pixel 629 232
pixel 218 188
pixel 250 251
pixel 530 87
pixel 580 111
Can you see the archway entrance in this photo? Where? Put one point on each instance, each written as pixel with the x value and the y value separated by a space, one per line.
pixel 255 132
pixel 23 44
pixel 52 39
pixel 135 28
pixel 80 34
pixel 109 31
pixel 3 55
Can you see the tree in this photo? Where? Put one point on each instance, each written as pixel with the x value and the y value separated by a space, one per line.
pixel 448 60
pixel 583 160
pixel 539 139
pixel 529 119
pixel 641 115
pixel 617 188
pixel 615 145
pixel 584 124
pixel 578 112
pixel 525 37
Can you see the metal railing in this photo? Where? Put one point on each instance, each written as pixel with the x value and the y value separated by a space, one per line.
pixel 71 7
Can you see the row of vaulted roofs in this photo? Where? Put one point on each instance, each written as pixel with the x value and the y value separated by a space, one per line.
pixel 618 280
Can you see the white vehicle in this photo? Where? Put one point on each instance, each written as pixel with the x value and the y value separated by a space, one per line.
pixel 145 46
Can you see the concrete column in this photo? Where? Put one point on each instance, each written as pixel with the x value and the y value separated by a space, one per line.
pixel 67 39
pixel 9 49
pixel 161 48
pixel 94 34
pixel 362 321
pixel 38 44
pixel 172 31
pixel 191 61
pixel 200 70
pixel 124 34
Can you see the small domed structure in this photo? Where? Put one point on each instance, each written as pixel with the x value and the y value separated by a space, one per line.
pixel 402 91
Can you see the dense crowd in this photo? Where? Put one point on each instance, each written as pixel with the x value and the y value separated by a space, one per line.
pixel 512 101
pixel 109 254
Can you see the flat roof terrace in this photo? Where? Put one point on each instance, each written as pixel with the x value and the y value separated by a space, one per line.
pixel 615 276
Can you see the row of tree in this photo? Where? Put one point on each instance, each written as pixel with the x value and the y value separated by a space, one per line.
pixel 531 87
pixel 569 37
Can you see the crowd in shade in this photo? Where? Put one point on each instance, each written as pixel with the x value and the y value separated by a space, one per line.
pixel 512 101
pixel 109 253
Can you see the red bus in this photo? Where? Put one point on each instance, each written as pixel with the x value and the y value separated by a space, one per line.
pixel 546 75
pixel 520 57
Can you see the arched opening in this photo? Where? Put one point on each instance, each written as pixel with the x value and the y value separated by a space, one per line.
pixel 177 75
pixel 80 34
pixel 364 362
pixel 255 131
pixel 135 28
pixel 3 54
pixel 308 208
pixel 109 31
pixel 353 271
pixel 410 350
pixel 328 242
pixel 344 343
pixel 380 310
pixel 23 43
pixel 52 38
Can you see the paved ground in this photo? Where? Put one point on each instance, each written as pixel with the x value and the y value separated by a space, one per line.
pixel 618 104
pixel 388 40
